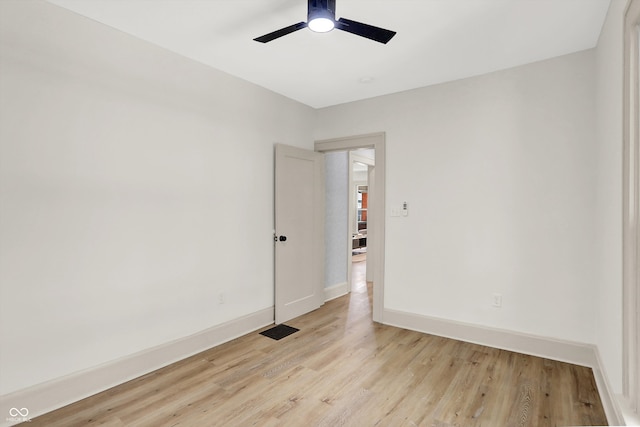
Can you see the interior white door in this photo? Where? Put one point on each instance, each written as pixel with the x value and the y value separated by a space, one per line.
pixel 299 226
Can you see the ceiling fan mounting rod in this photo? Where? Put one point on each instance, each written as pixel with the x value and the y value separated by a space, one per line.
pixel 321 9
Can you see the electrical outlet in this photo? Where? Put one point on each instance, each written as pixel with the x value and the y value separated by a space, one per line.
pixel 497 300
pixel 221 298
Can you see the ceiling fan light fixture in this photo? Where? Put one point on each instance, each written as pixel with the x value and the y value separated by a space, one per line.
pixel 321 18
pixel 321 25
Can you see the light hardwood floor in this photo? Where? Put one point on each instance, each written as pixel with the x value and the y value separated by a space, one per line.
pixel 342 369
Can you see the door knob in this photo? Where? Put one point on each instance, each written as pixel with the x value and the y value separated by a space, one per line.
pixel 283 238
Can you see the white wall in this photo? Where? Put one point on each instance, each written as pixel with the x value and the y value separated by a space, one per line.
pixel 498 172
pixel 609 61
pixel 126 202
pixel 336 217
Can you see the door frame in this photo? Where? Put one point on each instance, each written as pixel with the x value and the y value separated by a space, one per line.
pixel 631 203
pixel 375 247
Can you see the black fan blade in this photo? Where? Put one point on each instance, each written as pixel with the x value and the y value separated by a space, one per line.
pixel 281 32
pixel 365 30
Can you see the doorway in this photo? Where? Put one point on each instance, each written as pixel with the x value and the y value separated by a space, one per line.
pixel 361 162
pixel 375 208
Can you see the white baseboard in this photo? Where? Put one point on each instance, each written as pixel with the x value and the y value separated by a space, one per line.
pixel 335 291
pixel 550 348
pixel 46 397
pixel 631 418
pixel 561 350
pixel 608 398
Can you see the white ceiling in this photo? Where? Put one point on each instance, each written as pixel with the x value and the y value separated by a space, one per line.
pixel 437 40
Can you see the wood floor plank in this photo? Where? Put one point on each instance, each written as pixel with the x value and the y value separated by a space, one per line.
pixel 341 369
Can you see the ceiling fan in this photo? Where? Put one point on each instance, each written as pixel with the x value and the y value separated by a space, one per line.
pixel 321 18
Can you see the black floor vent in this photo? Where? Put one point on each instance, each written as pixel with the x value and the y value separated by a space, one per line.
pixel 278 332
